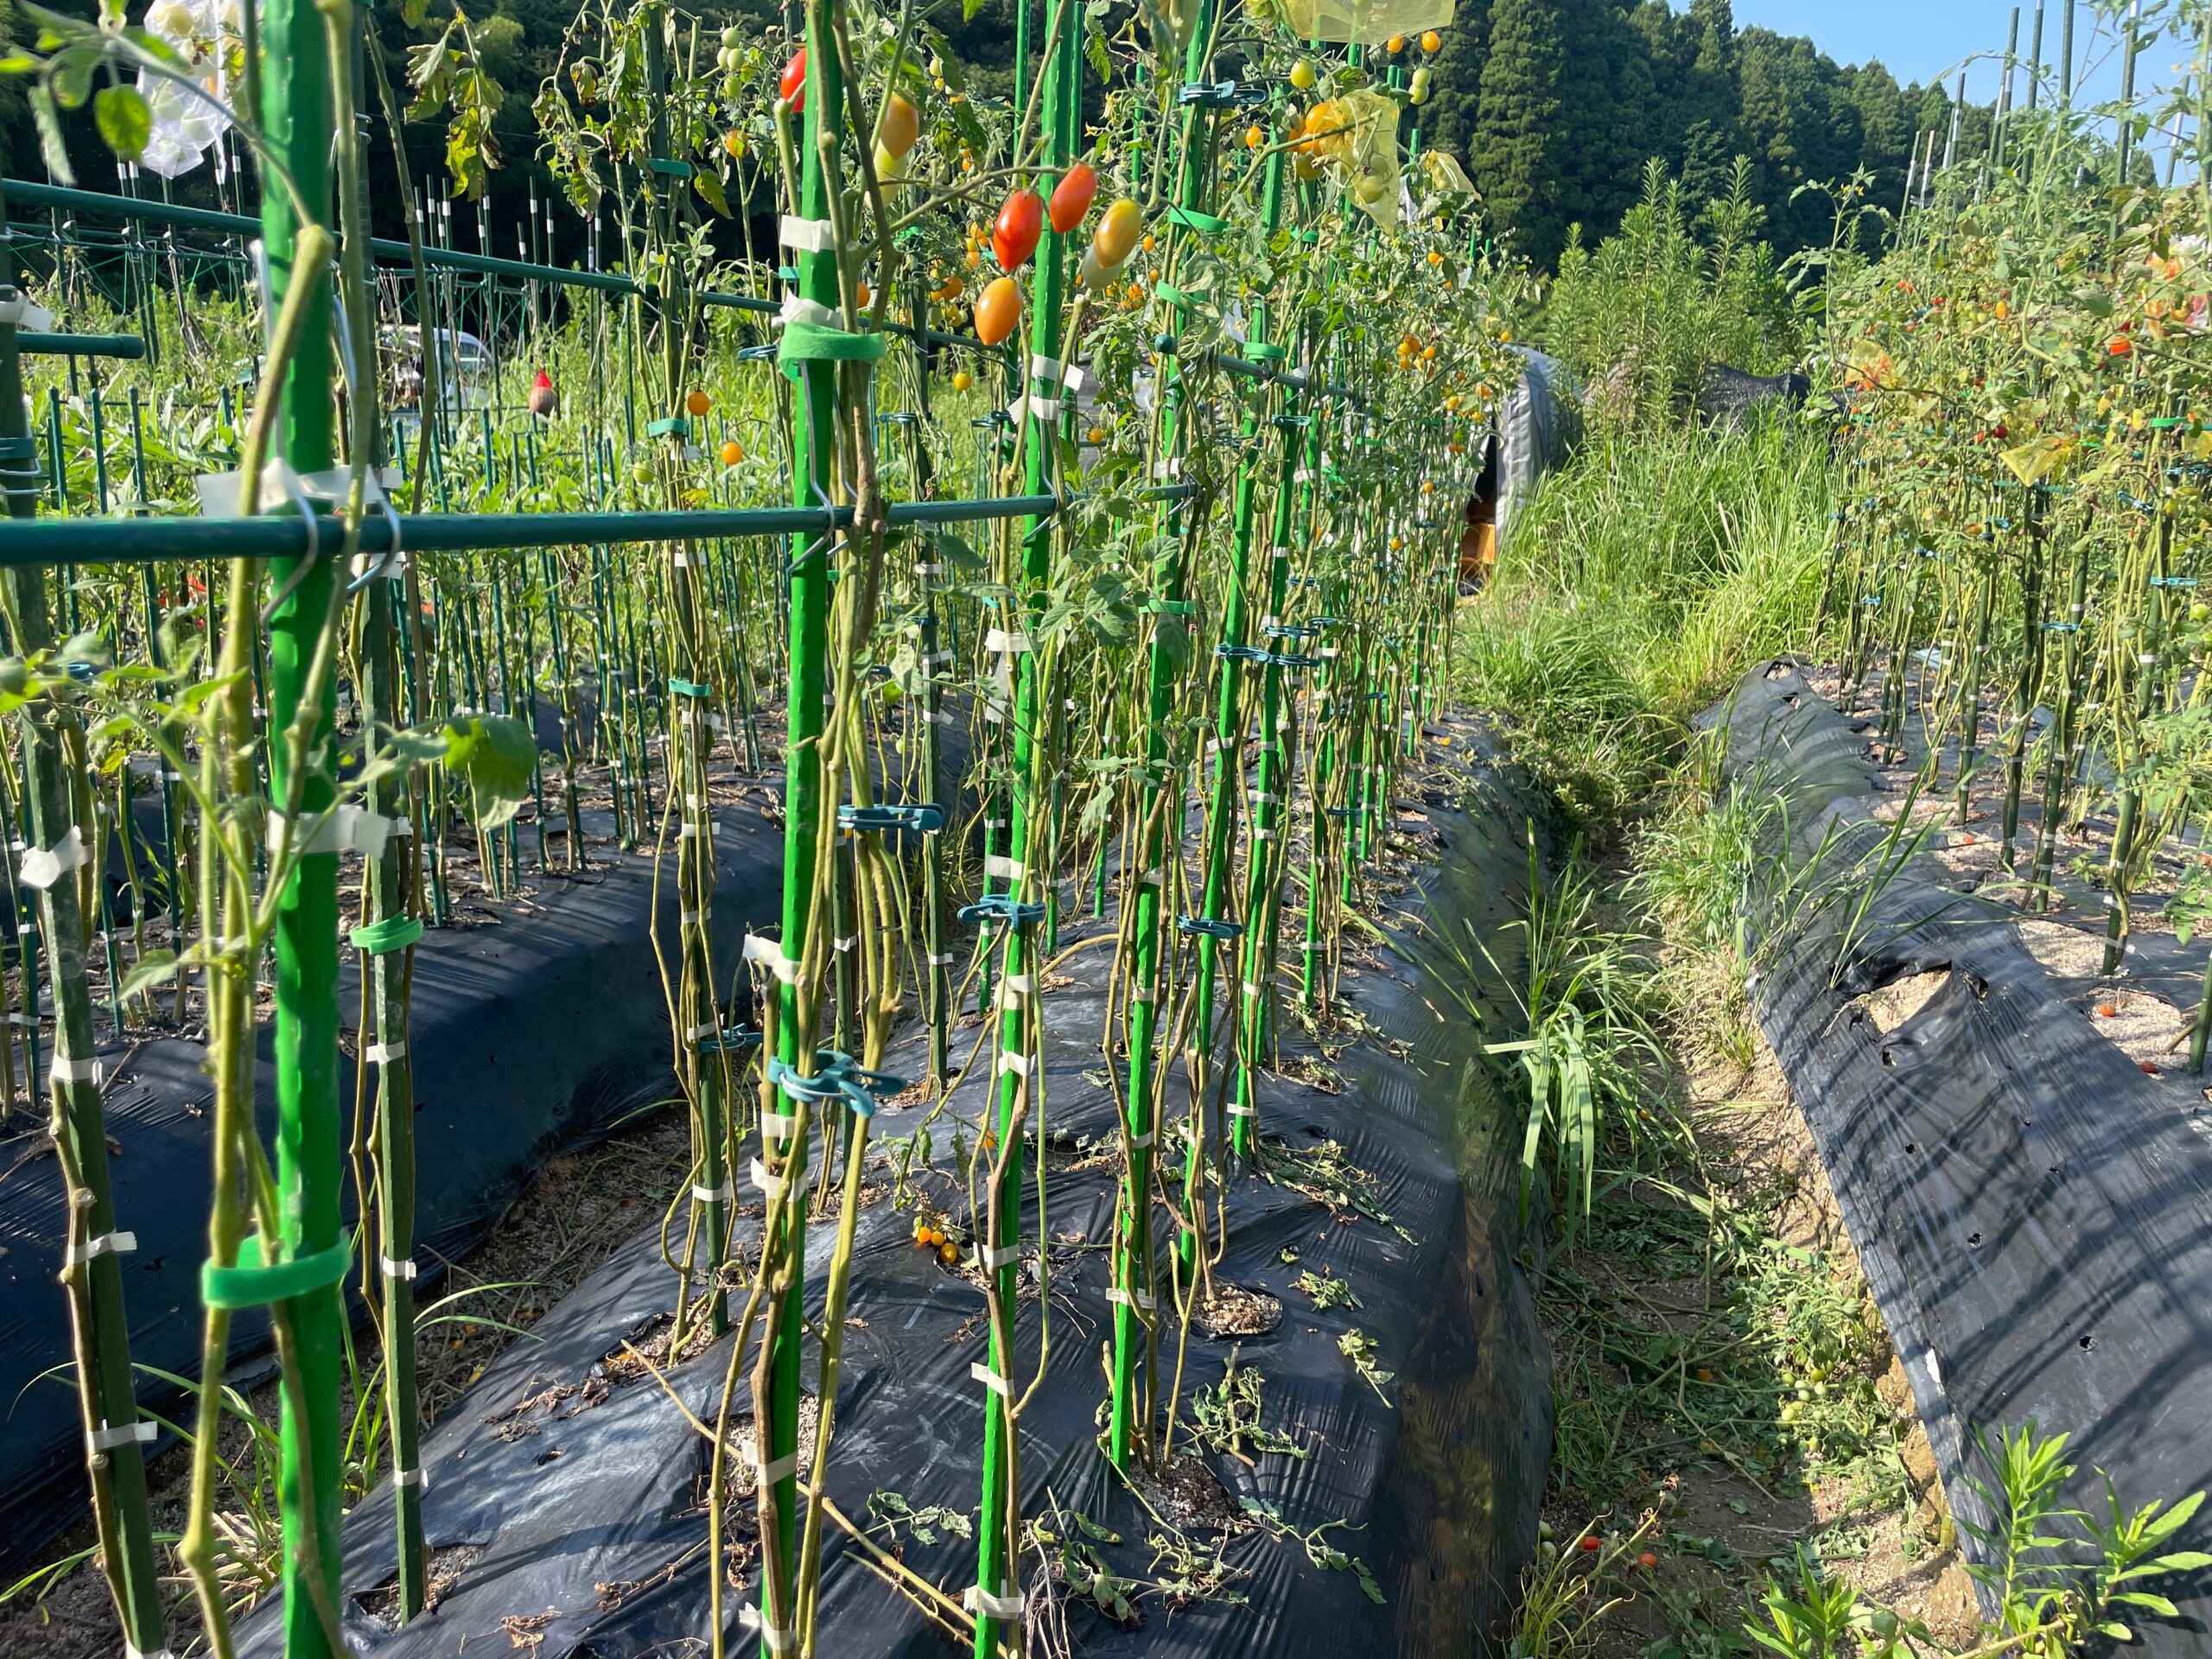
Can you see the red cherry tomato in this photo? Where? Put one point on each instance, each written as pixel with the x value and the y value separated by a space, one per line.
pixel 1021 222
pixel 793 86
pixel 1072 197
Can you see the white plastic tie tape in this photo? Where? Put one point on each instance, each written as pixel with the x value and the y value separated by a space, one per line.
pixel 347 829
pixel 1152 879
pixel 798 309
pixel 131 1652
pixel 1074 379
pixel 687 831
pixel 1006 643
pixel 1139 1142
pixel 1263 834
pixel 1044 408
pixel 777 1469
pixel 87 1069
pixel 1251 989
pixel 383 1053
pixel 43 867
pixel 781 1125
pixel 1242 1108
pixel 726 1193
pixel 1004 869
pixel 807 235
pixel 418 1479
pixel 108 1436
pixel 943 959
pixel 117 1243
pixel 846 944
pixel 397 1269
pixel 29 314
pixel 771 955
pixel 1142 993
pixel 1021 984
pixel 990 1379
pixel 706 1028
pixel 1044 368
pixel 691 918
pixel 976 1600
pixel 771 1186
pixel 1139 1300
pixel 774 1638
pixel 1019 1064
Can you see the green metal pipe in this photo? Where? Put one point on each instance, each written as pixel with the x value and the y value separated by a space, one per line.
pixel 123 346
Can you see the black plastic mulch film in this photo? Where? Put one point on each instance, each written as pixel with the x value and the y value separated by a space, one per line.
pixel 535 1031
pixel 586 1499
pixel 2034 1220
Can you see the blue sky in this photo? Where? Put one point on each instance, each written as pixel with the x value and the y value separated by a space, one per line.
pixel 1920 39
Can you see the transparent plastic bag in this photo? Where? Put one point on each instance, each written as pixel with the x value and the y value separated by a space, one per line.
pixel 1355 134
pixel 1366 22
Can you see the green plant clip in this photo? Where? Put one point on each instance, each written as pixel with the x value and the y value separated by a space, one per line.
pixel 1192 218
pixel 392 933
pixel 689 688
pixel 252 1284
pixel 670 426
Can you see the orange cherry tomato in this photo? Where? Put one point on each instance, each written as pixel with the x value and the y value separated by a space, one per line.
pixel 698 403
pixel 1072 197
pixel 1019 223
pixel 998 310
pixel 733 452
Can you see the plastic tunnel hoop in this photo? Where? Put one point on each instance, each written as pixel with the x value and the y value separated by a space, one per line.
pixel 812 342
pixel 252 1283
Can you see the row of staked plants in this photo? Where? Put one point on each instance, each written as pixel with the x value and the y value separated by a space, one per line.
pixel 1115 425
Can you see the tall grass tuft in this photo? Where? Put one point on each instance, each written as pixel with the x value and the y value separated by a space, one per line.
pixel 1632 589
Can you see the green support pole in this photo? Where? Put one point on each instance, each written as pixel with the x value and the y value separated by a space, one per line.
pixel 813 476
pixel 997 1598
pixel 296 73
pixel 91 1272
pixel 1160 814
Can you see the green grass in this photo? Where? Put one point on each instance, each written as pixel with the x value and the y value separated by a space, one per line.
pixel 1633 587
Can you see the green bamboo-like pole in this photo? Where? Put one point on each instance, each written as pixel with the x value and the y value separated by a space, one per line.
pixel 1229 735
pixel 997 1598
pixel 1264 869
pixel 809 593
pixel 1160 815
pixel 92 1271
pixel 297 91
pixel 386 939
